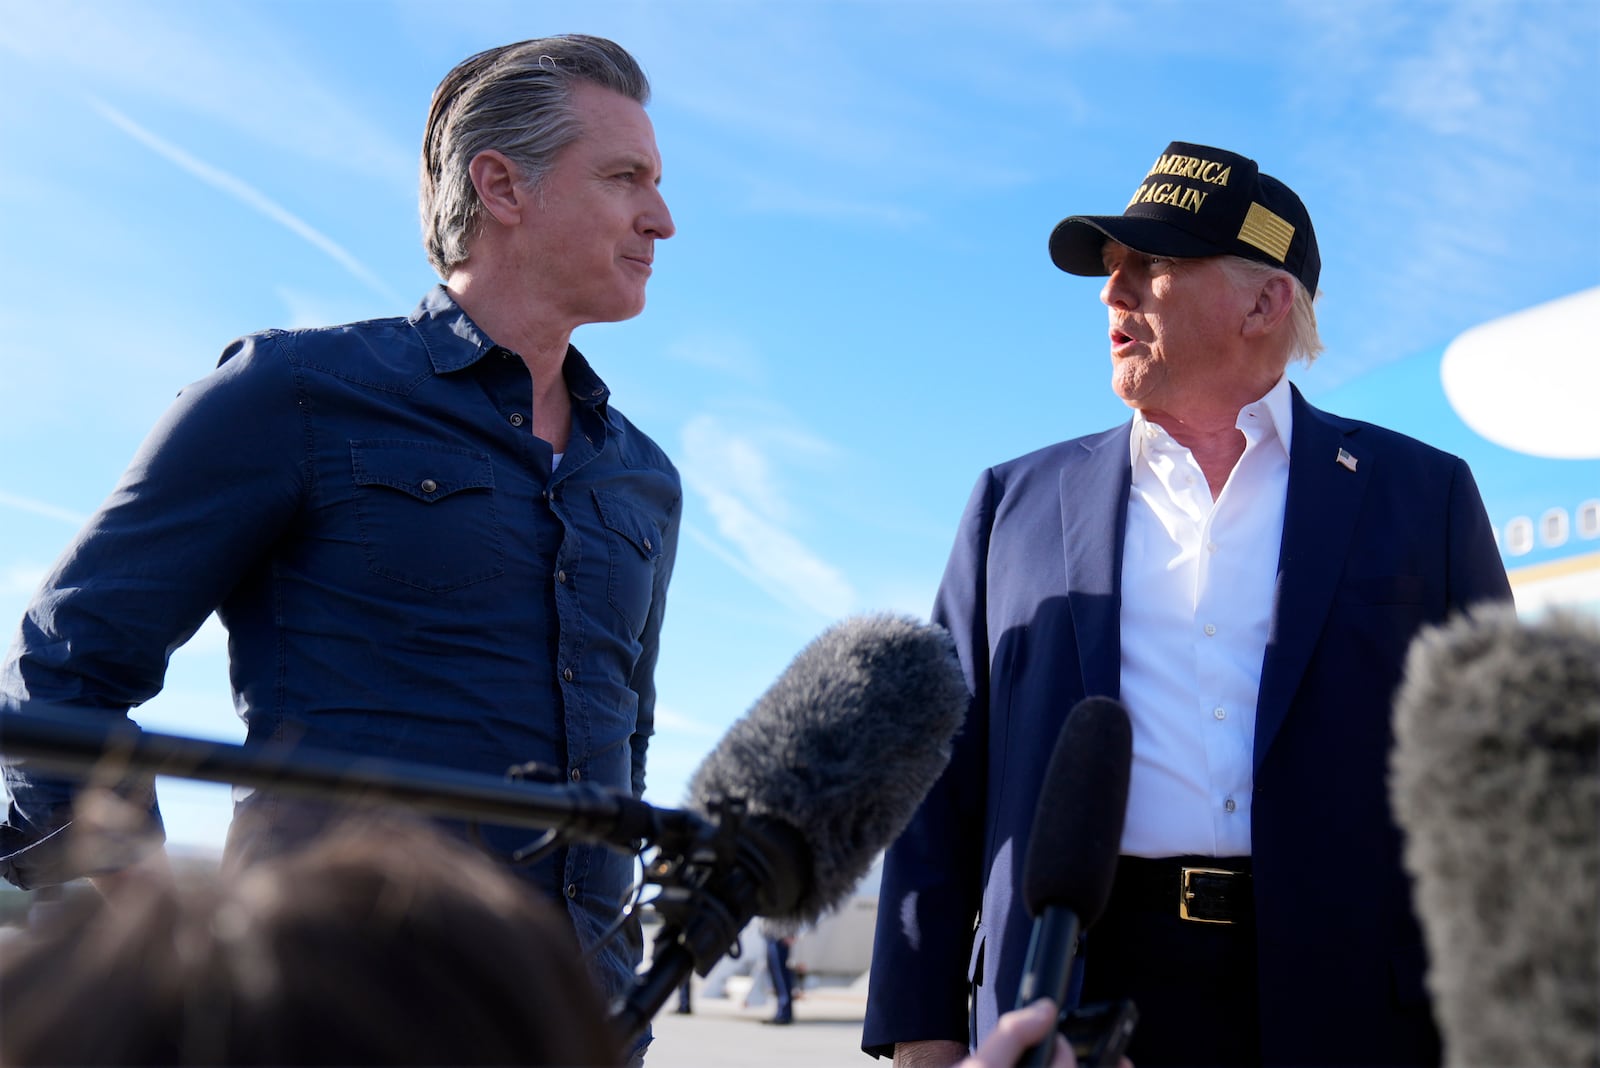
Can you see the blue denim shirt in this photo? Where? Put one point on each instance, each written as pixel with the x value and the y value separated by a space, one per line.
pixel 400 572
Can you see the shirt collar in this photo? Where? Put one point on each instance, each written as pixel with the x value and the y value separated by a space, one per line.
pixel 1276 408
pixel 452 339
pixel 1271 416
pixel 453 342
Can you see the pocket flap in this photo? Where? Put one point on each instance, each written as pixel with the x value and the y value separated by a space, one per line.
pixel 629 522
pixel 422 469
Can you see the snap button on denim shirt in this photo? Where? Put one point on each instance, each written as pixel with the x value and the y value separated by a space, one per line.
pixel 368 513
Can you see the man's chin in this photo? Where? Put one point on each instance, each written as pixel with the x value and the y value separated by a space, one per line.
pixel 630 308
pixel 1127 392
pixel 619 314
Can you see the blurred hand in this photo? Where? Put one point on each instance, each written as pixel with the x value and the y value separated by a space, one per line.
pixel 1016 1032
pixel 153 867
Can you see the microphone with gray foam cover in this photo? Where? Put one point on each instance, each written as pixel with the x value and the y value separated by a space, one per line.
pixel 841 750
pixel 1073 847
pixel 1495 781
pixel 829 766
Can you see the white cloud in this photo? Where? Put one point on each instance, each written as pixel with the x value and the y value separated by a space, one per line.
pixel 21 580
pixel 725 354
pixel 739 462
pixel 670 720
pixel 1442 157
pixel 1475 67
pixel 726 465
pixel 734 471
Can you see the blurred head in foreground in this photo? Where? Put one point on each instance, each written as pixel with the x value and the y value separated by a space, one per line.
pixel 381 943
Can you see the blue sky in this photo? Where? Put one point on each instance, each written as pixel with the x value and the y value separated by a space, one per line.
pixel 858 313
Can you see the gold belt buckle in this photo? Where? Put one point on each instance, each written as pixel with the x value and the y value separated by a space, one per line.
pixel 1187 895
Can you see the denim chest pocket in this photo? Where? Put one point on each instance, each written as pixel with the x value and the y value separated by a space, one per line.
pixel 426 513
pixel 633 543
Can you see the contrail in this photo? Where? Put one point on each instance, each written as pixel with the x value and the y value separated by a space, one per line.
pixel 243 191
pixel 49 511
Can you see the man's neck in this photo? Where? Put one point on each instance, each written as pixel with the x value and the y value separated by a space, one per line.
pixel 1210 431
pixel 543 350
pixel 1215 447
pixel 513 324
pixel 1212 437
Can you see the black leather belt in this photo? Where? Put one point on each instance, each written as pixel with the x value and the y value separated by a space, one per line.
pixel 1198 889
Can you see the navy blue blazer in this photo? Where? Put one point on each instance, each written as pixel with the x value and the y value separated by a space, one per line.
pixel 1031 594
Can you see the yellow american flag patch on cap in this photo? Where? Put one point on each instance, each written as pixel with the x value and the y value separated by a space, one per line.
pixel 1267 231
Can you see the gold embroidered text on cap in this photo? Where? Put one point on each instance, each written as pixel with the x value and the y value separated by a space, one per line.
pixel 1198 201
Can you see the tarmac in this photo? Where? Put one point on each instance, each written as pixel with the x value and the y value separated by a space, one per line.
pixel 721 1033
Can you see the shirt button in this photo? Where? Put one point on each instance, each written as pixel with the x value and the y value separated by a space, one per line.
pixel 647 545
pixel 1211 630
pixel 1220 712
pixel 1211 546
pixel 576 775
pixel 566 673
pixel 572 891
pixel 429 485
pixel 516 418
pixel 1228 805
pixel 561 577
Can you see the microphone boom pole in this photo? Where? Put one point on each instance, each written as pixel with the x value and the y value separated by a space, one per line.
pixel 576 812
pixel 717 871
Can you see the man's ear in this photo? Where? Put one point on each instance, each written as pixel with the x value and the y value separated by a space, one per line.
pixel 1274 300
pixel 499 185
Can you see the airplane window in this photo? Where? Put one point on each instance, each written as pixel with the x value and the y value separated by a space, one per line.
pixel 1589 519
pixel 1553 527
pixel 1519 536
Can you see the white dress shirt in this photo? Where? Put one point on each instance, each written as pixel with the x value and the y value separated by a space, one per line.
pixel 1197 591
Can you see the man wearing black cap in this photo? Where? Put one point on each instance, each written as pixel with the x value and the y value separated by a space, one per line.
pixel 1244 572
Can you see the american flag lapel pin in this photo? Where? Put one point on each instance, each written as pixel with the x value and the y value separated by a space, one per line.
pixel 1345 460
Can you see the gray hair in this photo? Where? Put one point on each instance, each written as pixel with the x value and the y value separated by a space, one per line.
pixel 516 99
pixel 1304 341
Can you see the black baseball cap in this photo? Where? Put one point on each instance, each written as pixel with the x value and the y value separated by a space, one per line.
pixel 1199 201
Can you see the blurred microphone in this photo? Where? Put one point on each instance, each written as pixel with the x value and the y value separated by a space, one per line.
pixel 1495 780
pixel 1072 849
pixel 828 767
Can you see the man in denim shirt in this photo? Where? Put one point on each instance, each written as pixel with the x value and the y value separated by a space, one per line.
pixel 431 538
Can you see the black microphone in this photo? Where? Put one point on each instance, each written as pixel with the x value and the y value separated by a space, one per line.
pixel 1495 781
pixel 826 770
pixel 1073 847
